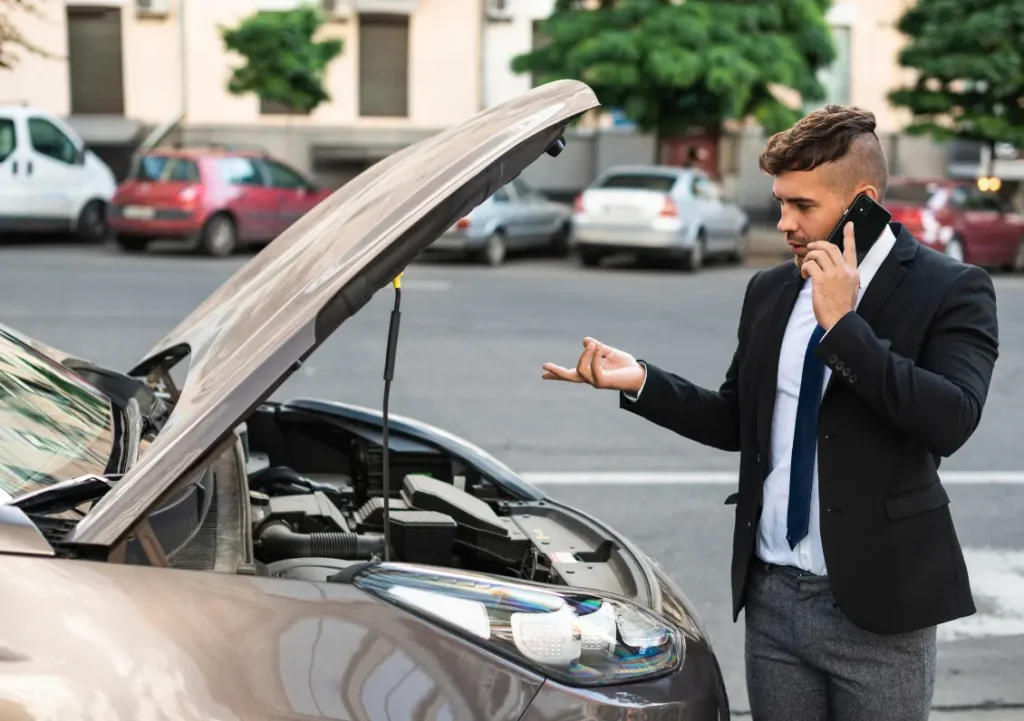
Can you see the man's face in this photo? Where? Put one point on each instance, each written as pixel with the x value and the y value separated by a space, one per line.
pixel 810 207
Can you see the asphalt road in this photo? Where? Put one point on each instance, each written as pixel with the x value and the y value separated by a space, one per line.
pixel 470 354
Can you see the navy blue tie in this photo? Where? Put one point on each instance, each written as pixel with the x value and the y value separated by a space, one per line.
pixel 805 442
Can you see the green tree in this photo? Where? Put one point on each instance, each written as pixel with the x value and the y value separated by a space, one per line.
pixel 672 66
pixel 283 64
pixel 10 37
pixel 969 58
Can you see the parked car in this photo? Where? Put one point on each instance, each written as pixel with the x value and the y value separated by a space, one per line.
pixel 50 182
pixel 182 540
pixel 215 199
pixel 516 217
pixel 658 211
pixel 959 219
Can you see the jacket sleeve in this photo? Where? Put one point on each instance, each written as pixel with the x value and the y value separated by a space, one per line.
pixel 937 400
pixel 702 415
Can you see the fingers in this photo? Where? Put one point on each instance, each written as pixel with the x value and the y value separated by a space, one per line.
pixel 828 252
pixel 554 372
pixel 811 268
pixel 585 363
pixel 849 245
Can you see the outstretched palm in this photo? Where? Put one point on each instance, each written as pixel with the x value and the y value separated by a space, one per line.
pixel 600 366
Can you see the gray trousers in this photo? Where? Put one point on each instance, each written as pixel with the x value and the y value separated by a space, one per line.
pixel 806 661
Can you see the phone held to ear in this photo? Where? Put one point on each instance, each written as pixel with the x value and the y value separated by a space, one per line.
pixel 869 221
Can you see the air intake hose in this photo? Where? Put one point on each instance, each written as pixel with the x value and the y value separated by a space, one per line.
pixel 277 542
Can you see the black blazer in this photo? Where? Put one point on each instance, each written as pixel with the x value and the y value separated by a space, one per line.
pixel 910 374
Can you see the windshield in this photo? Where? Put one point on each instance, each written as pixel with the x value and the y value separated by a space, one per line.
pixel 53 425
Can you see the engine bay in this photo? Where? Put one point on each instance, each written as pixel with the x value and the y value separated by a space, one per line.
pixel 317 507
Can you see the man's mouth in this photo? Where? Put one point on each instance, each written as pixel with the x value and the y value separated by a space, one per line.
pixel 799 247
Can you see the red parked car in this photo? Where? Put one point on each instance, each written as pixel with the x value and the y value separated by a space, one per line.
pixel 214 199
pixel 958 219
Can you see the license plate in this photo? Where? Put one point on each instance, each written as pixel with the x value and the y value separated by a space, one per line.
pixel 138 212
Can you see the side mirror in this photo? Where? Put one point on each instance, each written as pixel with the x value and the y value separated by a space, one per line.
pixel 80 155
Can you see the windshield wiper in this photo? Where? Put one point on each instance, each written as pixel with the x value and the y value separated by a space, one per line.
pixel 64 496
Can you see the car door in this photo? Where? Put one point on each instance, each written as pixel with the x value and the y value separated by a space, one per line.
pixel 509 216
pixel 295 195
pixel 538 219
pixel 713 212
pixel 11 164
pixel 249 198
pixel 55 173
pixel 980 217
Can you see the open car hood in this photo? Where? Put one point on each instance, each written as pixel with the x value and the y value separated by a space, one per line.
pixel 249 335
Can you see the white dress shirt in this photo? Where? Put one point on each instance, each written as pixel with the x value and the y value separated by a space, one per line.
pixel 772 546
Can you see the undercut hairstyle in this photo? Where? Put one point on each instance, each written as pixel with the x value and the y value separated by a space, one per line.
pixel 839 137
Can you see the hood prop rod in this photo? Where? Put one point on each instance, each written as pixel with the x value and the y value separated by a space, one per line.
pixel 389 374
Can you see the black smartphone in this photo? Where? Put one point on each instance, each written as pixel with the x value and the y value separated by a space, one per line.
pixel 869 221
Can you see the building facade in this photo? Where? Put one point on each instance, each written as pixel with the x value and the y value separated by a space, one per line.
pixel 408 69
pixel 127 69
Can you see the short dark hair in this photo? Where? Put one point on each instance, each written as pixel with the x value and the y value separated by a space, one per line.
pixel 840 136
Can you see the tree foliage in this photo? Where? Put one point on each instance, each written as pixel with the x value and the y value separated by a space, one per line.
pixel 11 38
pixel 969 57
pixel 283 63
pixel 675 65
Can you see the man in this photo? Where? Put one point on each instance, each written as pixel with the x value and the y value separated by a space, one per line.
pixel 850 382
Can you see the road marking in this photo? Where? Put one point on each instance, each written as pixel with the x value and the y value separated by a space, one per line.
pixel 997 583
pixel 727 478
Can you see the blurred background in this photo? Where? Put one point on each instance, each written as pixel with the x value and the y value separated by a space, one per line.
pixel 171 125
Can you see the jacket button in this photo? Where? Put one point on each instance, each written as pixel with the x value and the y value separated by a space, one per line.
pixel 846 371
pixel 853 378
pixel 833 358
pixel 839 366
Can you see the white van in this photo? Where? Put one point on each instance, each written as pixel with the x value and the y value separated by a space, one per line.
pixel 49 180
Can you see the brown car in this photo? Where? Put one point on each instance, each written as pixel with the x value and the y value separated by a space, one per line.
pixel 178 547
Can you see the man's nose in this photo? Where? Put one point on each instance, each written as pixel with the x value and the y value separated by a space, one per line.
pixel 787 223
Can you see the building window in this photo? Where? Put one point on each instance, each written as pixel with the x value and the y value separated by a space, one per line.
pixel 384 65
pixel 836 77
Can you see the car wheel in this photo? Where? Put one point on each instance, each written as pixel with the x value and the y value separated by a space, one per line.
pixel 92 222
pixel 694 261
pixel 590 258
pixel 494 250
pixel 955 249
pixel 220 237
pixel 131 244
pixel 560 241
pixel 739 254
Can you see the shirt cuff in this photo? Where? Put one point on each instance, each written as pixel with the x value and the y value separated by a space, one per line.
pixel 633 398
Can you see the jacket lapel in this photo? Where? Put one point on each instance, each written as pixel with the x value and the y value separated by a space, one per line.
pixel 888 276
pixel 773 329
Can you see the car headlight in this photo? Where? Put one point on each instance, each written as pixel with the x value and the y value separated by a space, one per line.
pixel 579 637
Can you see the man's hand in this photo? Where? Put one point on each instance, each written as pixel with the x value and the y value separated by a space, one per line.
pixel 835 278
pixel 602 367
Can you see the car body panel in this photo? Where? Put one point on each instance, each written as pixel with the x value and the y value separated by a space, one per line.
pixel 937 211
pixel 629 215
pixel 261 194
pixel 525 218
pixel 116 641
pixel 45 189
pixel 250 334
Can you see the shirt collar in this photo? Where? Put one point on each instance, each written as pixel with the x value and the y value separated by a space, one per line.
pixel 878 253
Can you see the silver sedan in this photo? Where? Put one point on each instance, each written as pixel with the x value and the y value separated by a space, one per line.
pixel 649 210
pixel 516 217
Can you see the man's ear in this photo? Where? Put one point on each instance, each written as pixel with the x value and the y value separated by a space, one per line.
pixel 870 190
